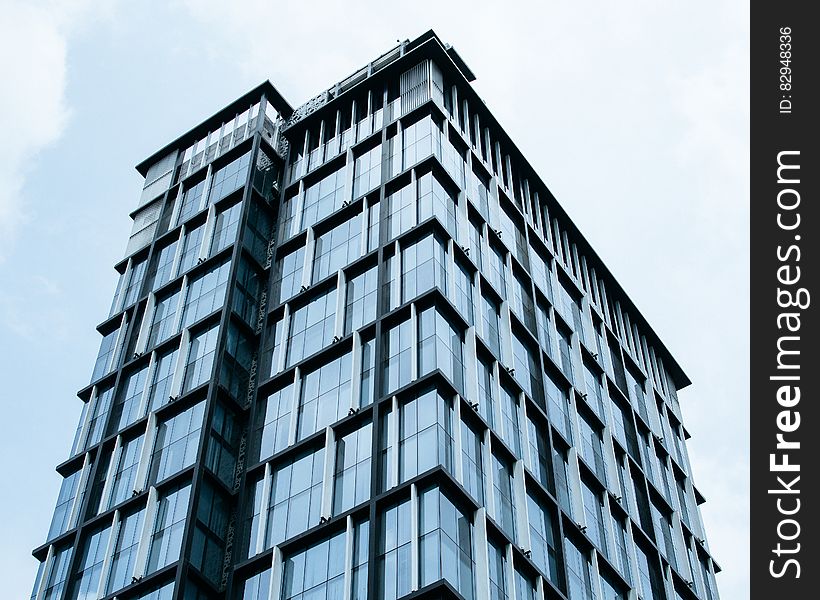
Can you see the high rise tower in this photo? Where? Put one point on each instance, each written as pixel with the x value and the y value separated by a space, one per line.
pixel 358 350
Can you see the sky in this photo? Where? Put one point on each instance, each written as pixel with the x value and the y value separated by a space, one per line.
pixel 634 113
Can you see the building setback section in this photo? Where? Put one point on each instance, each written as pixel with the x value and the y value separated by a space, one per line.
pixel 358 350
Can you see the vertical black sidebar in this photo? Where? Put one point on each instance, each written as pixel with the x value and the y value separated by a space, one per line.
pixel 785 370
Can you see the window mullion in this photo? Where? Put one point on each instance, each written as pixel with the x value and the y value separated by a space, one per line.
pixel 115 528
pixel 111 473
pixel 414 538
pixel 140 479
pixel 328 471
pixel 296 402
pixel 141 560
pixel 258 545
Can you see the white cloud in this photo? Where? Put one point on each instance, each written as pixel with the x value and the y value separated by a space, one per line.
pixel 33 111
pixel 34 39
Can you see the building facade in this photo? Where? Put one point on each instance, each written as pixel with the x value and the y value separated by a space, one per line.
pixel 358 350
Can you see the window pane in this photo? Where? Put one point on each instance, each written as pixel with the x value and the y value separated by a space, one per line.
pixel 423 267
pixel 316 572
pixel 510 431
pixel 579 576
pixel 498 572
pixel 135 278
pixel 527 368
pixel 176 443
pixel 257 587
pixel 558 406
pixel 590 448
pixel 126 409
pixel 502 488
pixel 205 293
pixel 86 579
pixel 200 358
pixel 464 291
pixel 62 521
pixel 393 562
pixel 273 419
pixel 472 462
pixel 538 456
pixel 191 201
pixel 107 357
pixel 337 248
pixel 546 550
pixel 312 327
pixel 441 347
pixel 367 171
pixel 164 367
pixel 401 209
pixel 352 472
pixel 56 582
pixel 397 356
pixel 445 542
pixel 593 517
pixel 125 551
pixel 190 248
pixel 368 391
pixel 229 178
pixel 295 499
pixel 163 266
pixel 325 396
pixel 227 224
pixel 323 198
pixel 102 404
pixel 434 200
pixel 361 300
pixel 287 279
pixel 166 537
pixel 425 434
pixel 163 321
pixel 125 472
pixel 490 317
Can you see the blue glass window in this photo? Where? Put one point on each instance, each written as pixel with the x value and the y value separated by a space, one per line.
pixel 200 360
pixel 295 501
pixel 166 535
pixel 229 178
pixel 352 472
pixel 125 472
pixel 176 443
pixel 445 543
pixel 125 551
pixel 312 327
pixel 337 248
pixel 325 395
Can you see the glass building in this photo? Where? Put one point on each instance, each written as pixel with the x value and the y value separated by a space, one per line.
pixel 358 350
